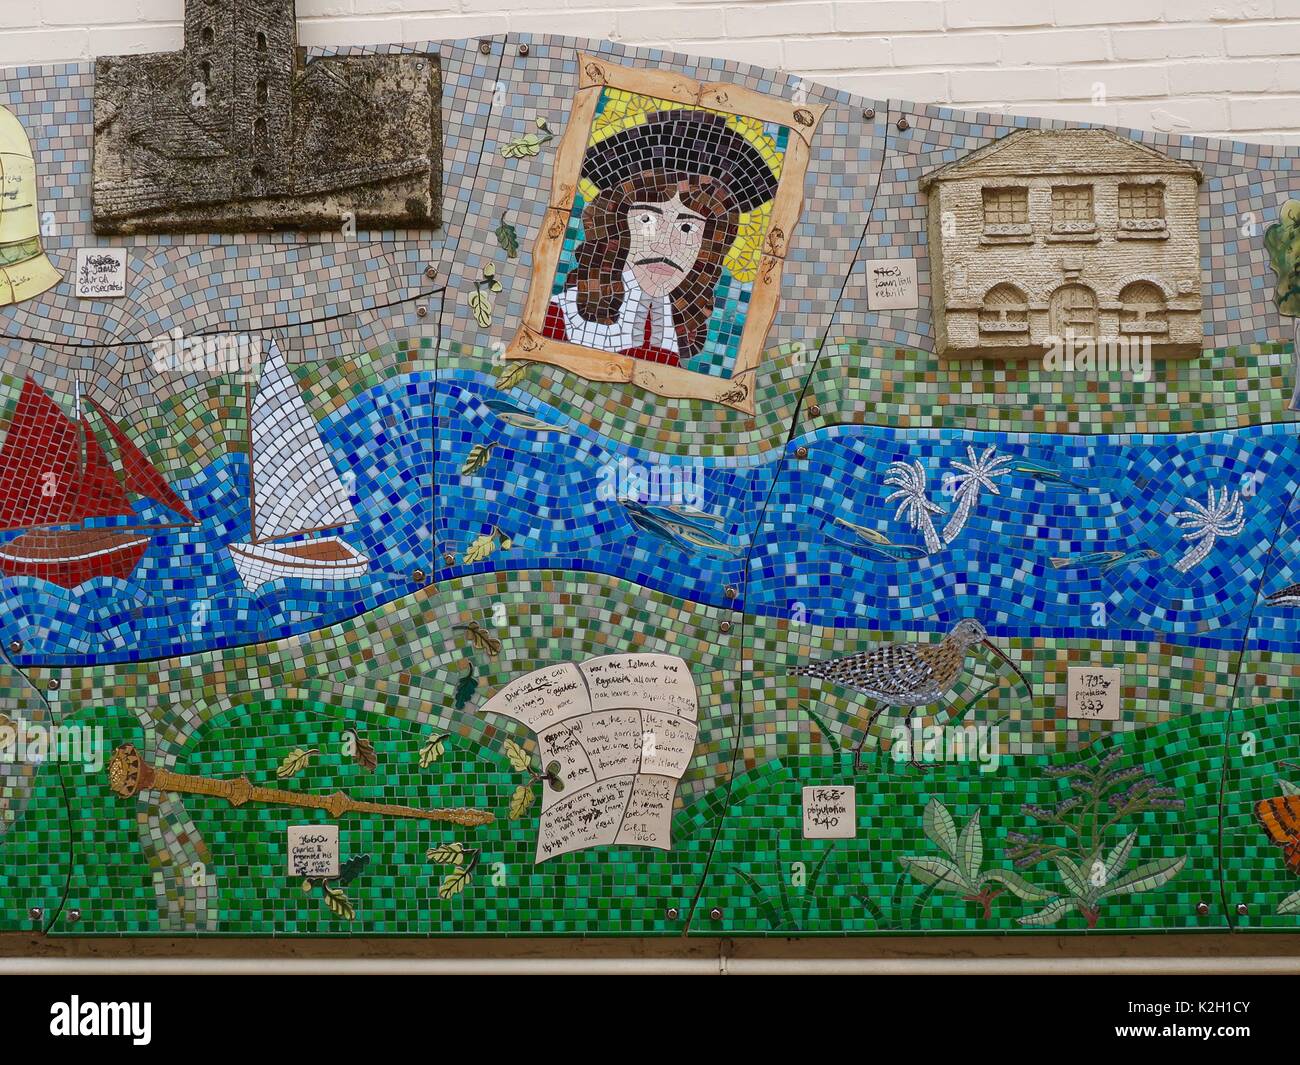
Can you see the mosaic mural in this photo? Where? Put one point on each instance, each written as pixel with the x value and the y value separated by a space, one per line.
pixel 653 495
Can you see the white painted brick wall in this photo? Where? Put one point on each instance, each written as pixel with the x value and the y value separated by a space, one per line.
pixel 1219 67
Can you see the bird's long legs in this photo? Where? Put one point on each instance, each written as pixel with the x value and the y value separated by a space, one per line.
pixel 911 747
pixel 857 751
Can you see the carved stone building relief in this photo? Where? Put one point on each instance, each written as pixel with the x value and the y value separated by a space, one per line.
pixel 1048 233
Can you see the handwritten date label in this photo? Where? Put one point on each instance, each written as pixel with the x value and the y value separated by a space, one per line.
pixel 891 285
pixel 313 851
pixel 1092 693
pixel 101 273
pixel 829 812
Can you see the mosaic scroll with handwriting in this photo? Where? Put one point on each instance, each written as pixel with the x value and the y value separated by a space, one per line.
pixel 622 728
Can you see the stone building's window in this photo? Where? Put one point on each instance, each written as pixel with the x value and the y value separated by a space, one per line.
pixel 1072 209
pixel 1142 209
pixel 1005 310
pixel 1006 211
pixel 1142 309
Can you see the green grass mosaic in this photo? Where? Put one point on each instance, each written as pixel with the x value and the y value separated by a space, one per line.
pixel 768 880
pixel 196 865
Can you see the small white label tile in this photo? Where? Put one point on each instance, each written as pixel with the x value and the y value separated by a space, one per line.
pixel 1092 692
pixel 313 851
pixel 829 812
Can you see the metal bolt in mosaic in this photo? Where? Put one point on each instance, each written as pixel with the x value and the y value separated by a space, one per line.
pixel 577 557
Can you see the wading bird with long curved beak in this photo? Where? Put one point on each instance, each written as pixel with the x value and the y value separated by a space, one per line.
pixel 906 675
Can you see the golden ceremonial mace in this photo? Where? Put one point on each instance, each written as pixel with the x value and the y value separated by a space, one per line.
pixel 129 774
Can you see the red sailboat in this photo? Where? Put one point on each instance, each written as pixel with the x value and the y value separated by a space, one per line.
pixel 54 472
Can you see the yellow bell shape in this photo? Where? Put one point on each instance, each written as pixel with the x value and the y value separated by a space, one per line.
pixel 24 270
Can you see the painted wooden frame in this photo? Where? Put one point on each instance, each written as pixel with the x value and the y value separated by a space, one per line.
pixel 595 74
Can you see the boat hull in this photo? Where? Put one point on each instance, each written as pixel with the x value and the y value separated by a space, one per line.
pixel 71 557
pixel 325 558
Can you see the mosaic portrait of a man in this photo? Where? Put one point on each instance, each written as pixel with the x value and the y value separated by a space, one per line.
pixel 672 229
pixel 663 266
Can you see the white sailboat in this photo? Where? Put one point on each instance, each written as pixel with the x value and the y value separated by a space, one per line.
pixel 294 492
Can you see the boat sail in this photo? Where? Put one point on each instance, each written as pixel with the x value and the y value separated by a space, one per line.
pixel 54 472
pixel 294 490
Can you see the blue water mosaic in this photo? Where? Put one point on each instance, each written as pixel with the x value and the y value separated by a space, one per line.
pixel 555 495
pixel 1111 493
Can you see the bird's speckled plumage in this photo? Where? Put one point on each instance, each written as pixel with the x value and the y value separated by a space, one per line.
pixel 901 674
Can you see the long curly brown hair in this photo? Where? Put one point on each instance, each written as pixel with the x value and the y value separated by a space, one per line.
pixel 598 270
